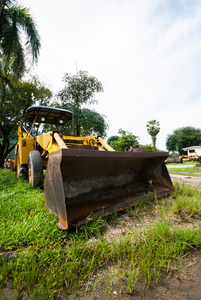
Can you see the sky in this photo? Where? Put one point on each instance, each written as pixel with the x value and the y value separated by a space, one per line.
pixel 146 53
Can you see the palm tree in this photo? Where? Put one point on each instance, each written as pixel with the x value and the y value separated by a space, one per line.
pixel 13 20
pixel 153 128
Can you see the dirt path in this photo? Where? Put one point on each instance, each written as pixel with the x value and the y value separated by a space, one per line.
pixel 179 166
pixel 185 285
pixel 190 180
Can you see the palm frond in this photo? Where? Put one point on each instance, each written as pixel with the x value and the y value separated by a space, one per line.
pixel 18 64
pixel 13 20
pixel 25 21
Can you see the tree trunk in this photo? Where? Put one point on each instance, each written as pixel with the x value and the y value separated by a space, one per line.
pixel 1 161
pixel 4 151
pixel 154 141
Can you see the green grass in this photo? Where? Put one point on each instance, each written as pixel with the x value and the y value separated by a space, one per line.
pixel 40 260
pixel 191 162
pixel 190 174
pixel 187 171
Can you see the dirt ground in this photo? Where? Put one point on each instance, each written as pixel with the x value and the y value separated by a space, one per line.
pixel 182 282
pixel 190 180
pixel 184 285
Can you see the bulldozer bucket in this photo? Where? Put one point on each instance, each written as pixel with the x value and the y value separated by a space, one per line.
pixel 82 185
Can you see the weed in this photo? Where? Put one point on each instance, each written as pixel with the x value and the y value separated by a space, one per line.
pixel 188 202
pixel 131 274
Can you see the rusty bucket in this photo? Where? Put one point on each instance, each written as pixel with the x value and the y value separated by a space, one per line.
pixel 82 185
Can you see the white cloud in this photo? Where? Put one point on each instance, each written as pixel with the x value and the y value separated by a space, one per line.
pixel 146 53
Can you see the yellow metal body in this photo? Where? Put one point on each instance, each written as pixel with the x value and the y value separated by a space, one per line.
pixel 194 157
pixel 24 146
pixel 51 141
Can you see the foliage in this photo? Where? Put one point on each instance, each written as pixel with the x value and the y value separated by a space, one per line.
pixel 123 132
pixel 15 21
pixel 17 98
pixel 113 138
pixel 148 148
pixel 126 140
pixel 19 42
pixel 90 121
pixel 183 137
pixel 174 155
pixel 153 128
pixel 80 89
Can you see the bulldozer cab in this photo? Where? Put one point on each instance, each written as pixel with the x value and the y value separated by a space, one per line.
pixel 27 141
pixel 85 178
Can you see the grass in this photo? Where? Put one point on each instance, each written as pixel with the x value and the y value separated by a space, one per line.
pixel 39 260
pixel 187 171
pixel 190 174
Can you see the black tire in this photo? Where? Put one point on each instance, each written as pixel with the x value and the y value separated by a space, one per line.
pixel 35 169
pixel 21 169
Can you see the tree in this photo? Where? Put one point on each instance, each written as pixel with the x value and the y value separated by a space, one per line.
pixel 153 128
pixel 113 138
pixel 183 137
pixel 15 20
pixel 126 140
pixel 19 42
pixel 80 89
pixel 90 121
pixel 18 97
pixel 148 148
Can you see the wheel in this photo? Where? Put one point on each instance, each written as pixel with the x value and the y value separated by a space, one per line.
pixel 35 169
pixel 21 169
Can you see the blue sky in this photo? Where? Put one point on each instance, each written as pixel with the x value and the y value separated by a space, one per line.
pixel 146 53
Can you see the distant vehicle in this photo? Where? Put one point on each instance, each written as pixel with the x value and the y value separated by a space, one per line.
pixel 193 153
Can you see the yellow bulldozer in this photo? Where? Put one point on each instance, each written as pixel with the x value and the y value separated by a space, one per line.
pixel 84 177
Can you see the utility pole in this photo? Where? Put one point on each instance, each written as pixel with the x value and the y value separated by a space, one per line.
pixel 73 117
